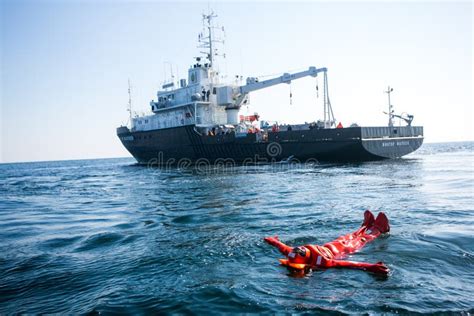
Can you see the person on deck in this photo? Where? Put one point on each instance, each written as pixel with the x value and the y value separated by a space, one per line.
pixel 304 258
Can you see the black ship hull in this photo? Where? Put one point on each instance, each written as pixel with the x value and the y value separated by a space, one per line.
pixel 185 145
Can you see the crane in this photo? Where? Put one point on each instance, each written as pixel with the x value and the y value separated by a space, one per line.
pixel 234 97
pixel 407 118
pixel 254 84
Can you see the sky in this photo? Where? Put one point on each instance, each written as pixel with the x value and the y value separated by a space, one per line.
pixel 65 65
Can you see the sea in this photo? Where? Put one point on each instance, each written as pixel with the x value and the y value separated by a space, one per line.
pixel 108 236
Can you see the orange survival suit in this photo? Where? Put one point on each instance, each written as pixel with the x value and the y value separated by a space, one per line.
pixel 304 258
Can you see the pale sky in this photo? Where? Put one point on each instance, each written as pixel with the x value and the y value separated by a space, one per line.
pixel 65 65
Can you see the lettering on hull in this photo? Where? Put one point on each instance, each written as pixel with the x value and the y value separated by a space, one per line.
pixel 127 138
pixel 397 143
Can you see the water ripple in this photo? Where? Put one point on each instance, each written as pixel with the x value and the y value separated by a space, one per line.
pixel 108 236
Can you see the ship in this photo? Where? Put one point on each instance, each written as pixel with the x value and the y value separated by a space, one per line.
pixel 200 121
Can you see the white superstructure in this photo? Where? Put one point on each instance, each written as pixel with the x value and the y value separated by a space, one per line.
pixel 203 101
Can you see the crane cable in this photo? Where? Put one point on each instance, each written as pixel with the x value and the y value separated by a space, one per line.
pixel 291 96
pixel 317 88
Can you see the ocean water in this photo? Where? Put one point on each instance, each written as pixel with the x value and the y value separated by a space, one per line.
pixel 107 236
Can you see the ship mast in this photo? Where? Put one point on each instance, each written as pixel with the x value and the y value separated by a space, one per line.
pixel 209 17
pixel 130 101
pixel 209 40
pixel 390 107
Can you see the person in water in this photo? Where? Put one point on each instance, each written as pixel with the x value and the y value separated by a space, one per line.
pixel 304 258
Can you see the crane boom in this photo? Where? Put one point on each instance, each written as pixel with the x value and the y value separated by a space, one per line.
pixel 253 84
pixel 234 97
pixel 408 118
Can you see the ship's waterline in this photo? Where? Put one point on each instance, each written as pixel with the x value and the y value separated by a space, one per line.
pixel 169 146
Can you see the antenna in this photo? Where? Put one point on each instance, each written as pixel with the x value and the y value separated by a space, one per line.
pixel 130 101
pixel 390 107
pixel 170 64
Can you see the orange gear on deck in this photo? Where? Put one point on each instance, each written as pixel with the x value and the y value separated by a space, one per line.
pixel 304 258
